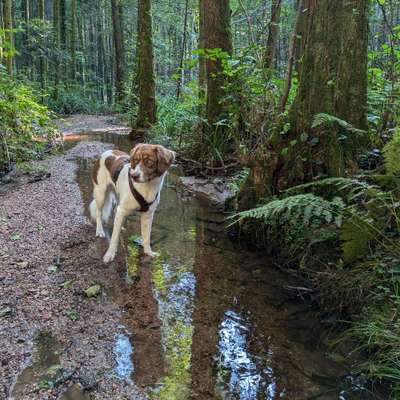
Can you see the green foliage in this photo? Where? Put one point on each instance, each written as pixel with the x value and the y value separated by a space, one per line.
pixel 329 120
pixel 25 125
pixel 307 210
pixel 391 152
pixel 177 120
pixel 72 100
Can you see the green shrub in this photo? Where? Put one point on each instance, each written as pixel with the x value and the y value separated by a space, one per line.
pixel 26 126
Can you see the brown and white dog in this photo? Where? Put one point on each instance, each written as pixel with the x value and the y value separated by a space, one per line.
pixel 136 181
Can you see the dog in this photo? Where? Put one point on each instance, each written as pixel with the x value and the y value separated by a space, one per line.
pixel 131 183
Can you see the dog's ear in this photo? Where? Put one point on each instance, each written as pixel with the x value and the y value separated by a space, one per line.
pixel 135 149
pixel 165 158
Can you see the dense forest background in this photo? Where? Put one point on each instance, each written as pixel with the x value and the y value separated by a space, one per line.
pixel 296 100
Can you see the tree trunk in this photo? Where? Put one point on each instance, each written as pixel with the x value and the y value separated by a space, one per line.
pixel 294 51
pixel 63 34
pixel 202 60
pixel 182 55
pixel 332 80
pixel 73 39
pixel 56 38
pixel 145 73
pixel 270 49
pixel 8 26
pixel 119 50
pixel 42 60
pixel 216 35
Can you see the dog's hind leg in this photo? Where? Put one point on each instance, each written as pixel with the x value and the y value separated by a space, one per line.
pixel 120 216
pixel 99 194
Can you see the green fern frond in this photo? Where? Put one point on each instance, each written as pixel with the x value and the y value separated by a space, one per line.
pixel 305 209
pixel 356 235
pixel 352 190
pixel 391 153
pixel 327 119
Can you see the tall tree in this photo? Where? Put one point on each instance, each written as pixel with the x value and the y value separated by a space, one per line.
pixel 73 38
pixel 270 49
pixel 119 50
pixel 42 60
pixel 8 26
pixel 56 40
pixel 145 69
pixel 216 35
pixel 332 80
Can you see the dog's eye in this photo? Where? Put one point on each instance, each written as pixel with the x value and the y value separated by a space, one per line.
pixel 136 160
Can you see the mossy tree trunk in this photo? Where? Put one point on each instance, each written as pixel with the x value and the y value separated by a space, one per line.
pixel 73 39
pixel 42 60
pixel 145 68
pixel 56 39
pixel 8 26
pixel 119 50
pixel 270 48
pixel 216 34
pixel 332 80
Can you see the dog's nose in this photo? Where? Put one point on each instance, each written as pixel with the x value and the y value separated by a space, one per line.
pixel 135 175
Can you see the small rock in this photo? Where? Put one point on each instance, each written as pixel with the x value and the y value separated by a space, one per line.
pixel 52 269
pixel 23 264
pixel 4 311
pixel 93 291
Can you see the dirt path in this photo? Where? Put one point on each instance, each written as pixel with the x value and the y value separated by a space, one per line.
pixel 48 258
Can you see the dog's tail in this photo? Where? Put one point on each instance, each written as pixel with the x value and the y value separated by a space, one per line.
pixel 108 207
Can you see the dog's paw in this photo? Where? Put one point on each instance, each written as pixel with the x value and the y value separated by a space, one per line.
pixel 100 234
pixel 108 257
pixel 150 253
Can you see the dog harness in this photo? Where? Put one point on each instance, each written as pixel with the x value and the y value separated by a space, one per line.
pixel 144 204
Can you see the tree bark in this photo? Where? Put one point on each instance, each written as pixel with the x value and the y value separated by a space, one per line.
pixel 73 39
pixel 42 60
pixel 217 35
pixel 270 48
pixel 182 55
pixel 8 26
pixel 145 70
pixel 119 50
pixel 202 61
pixel 332 80
pixel 56 38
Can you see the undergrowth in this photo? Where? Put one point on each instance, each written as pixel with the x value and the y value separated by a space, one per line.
pixel 343 235
pixel 26 127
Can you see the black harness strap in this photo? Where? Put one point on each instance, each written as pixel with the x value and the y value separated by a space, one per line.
pixel 144 204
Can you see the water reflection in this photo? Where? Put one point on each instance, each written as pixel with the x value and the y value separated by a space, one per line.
pixel 123 351
pixel 174 288
pixel 240 374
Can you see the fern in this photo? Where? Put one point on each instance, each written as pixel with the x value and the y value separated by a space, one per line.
pixel 391 154
pixel 305 209
pixel 327 119
pixel 356 234
pixel 352 190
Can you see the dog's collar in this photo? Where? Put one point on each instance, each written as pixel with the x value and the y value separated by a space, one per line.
pixel 144 204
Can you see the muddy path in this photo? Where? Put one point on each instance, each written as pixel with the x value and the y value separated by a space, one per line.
pixel 205 320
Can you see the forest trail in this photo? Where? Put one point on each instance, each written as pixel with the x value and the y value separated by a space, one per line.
pixel 204 320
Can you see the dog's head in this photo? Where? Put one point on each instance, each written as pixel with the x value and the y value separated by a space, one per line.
pixel 150 161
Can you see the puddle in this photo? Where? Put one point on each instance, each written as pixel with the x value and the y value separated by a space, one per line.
pixel 208 319
pixel 45 370
pixel 123 356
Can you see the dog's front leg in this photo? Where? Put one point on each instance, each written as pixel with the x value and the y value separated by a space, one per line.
pixel 146 221
pixel 118 222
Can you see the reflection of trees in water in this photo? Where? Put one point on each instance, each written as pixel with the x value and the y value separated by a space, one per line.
pixel 210 304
